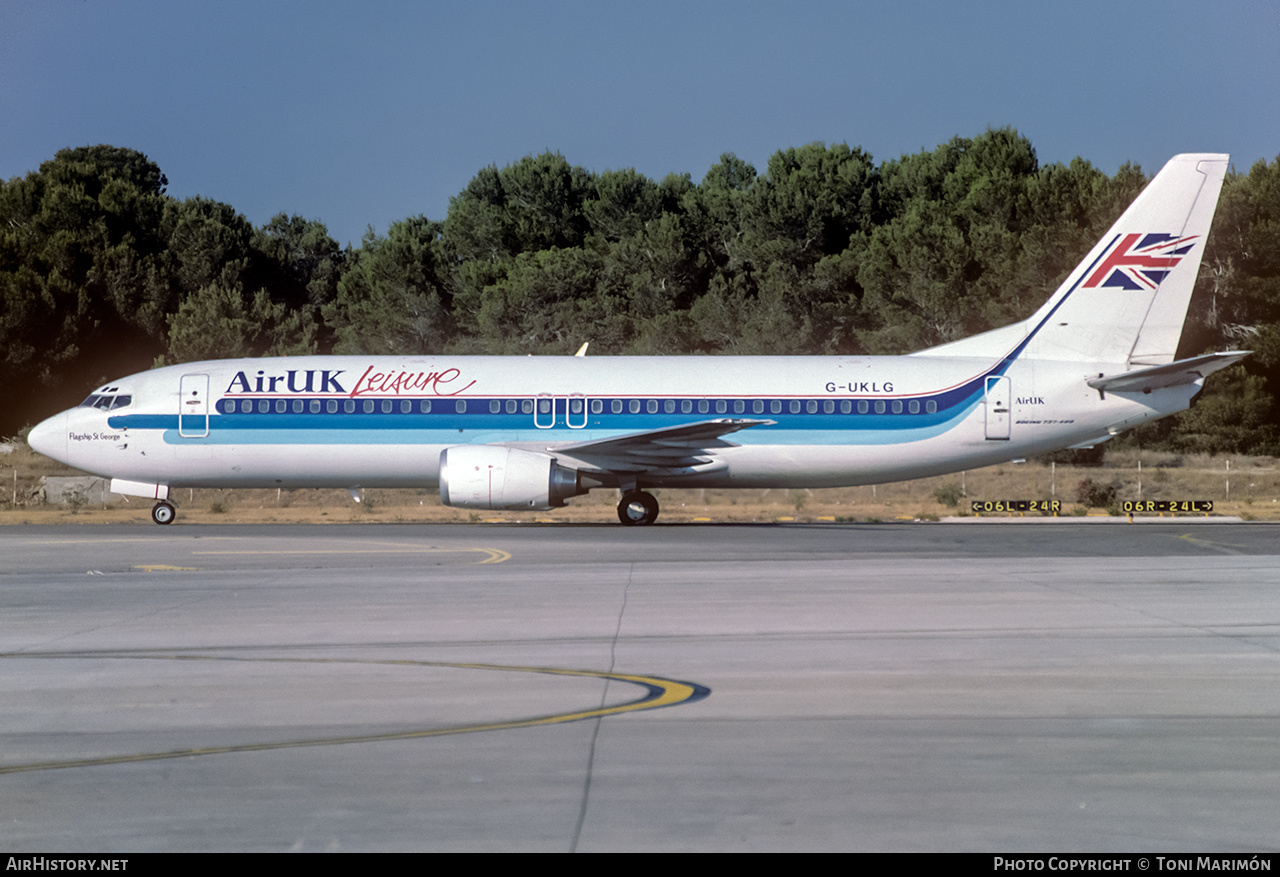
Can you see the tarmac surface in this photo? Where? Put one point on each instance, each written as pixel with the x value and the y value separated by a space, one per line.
pixel 1057 688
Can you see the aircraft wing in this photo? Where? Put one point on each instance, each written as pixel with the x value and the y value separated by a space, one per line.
pixel 680 447
pixel 1184 371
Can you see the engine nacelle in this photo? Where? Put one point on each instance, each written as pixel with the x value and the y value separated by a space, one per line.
pixel 495 477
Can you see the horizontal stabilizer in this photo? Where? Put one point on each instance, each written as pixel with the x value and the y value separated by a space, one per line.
pixel 1184 371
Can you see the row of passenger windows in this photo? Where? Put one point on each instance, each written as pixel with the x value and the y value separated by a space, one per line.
pixel 575 406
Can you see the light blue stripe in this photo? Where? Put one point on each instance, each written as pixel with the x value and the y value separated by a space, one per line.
pixel 840 429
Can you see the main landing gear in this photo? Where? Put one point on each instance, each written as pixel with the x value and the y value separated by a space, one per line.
pixel 163 512
pixel 638 507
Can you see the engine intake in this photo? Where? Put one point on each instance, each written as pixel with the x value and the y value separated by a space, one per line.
pixel 495 477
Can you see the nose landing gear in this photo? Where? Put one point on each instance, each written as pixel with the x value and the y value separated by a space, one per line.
pixel 638 508
pixel 163 512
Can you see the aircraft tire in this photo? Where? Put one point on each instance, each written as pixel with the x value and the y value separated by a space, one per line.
pixel 163 513
pixel 638 508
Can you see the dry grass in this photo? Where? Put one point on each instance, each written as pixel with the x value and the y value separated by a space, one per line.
pixel 1250 488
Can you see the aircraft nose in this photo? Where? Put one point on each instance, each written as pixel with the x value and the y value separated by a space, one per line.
pixel 49 437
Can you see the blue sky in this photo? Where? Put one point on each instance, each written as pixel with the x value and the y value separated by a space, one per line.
pixel 359 114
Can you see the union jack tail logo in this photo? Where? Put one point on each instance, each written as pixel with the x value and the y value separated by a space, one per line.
pixel 1140 261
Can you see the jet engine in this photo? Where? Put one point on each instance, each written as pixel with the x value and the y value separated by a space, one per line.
pixel 496 477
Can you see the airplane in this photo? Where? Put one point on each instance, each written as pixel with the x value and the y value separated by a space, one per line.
pixel 529 433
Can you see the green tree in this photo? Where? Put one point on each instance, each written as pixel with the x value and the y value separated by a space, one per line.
pixel 809 203
pixel 1235 414
pixel 620 203
pixel 392 298
pixel 299 262
pixel 715 209
pixel 219 322
pixel 209 243
pixel 534 204
pixel 548 303
pixel 83 276
pixel 949 239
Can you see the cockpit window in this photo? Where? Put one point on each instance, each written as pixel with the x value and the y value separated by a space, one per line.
pixel 106 401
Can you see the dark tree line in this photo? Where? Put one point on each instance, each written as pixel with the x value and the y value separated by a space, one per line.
pixel 102 273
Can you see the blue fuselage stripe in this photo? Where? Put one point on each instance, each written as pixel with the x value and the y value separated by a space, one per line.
pixel 444 424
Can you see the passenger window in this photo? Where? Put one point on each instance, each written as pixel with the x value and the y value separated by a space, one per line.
pixel 460 406
pixel 297 406
pixel 739 406
pixel 526 406
pixel 368 406
pixel 616 406
pixel 722 406
pixel 575 406
pixel 246 406
pixel 264 406
pixel 544 406
pixel 597 406
pixel 863 406
pixel 406 406
pixel 880 406
pixel 829 407
pixel 315 406
pixel 812 406
pixel 425 406
pixel 349 406
pixel 331 406
pixel 775 407
pixel 495 407
pixel 669 406
pixel 703 406
pixel 281 406
pixel 846 407
pixel 931 407
pixel 897 406
pixel 795 406
pixel 913 407
pixel 757 406
pixel 686 406
pixel 386 406
pixel 512 406
pixel 652 406
pixel 634 406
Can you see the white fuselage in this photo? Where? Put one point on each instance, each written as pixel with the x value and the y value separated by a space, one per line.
pixel 364 421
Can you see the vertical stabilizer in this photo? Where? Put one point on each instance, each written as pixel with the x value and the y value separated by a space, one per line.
pixel 1126 302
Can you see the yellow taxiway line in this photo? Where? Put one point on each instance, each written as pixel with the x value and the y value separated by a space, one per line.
pixel 659 692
